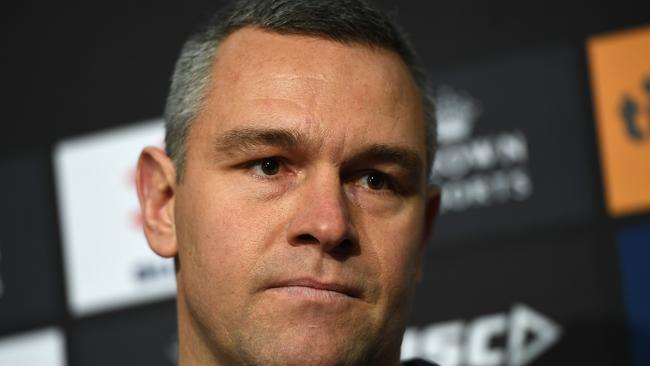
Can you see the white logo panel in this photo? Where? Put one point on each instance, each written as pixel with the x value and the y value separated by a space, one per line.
pixel 108 263
pixel 42 348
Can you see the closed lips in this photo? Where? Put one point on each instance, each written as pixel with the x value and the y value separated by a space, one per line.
pixel 316 289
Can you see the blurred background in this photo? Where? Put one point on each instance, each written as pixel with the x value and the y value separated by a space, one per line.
pixel 541 252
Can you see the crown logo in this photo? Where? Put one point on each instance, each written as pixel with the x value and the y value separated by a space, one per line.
pixel 456 113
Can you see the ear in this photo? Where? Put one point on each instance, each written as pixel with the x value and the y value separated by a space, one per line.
pixel 156 183
pixel 430 214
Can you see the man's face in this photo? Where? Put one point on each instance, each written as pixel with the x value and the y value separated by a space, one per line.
pixel 301 217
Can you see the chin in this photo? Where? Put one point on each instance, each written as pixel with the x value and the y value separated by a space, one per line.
pixel 311 347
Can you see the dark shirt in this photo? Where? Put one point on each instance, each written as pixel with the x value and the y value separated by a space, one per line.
pixel 418 362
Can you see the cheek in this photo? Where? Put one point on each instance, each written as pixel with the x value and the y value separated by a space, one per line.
pixel 396 244
pixel 221 236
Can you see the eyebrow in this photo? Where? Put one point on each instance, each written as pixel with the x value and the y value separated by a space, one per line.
pixel 247 138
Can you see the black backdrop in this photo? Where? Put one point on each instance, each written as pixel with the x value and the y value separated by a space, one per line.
pixel 72 69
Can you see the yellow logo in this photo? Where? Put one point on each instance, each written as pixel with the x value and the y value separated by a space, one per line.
pixel 620 80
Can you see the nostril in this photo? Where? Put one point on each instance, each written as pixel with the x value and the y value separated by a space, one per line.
pixel 340 249
pixel 307 239
pixel 344 247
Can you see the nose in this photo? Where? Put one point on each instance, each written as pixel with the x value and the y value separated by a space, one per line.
pixel 321 216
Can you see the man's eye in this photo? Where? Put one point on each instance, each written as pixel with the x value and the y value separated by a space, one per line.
pixel 374 181
pixel 269 166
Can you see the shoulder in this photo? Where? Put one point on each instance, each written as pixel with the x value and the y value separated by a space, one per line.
pixel 418 362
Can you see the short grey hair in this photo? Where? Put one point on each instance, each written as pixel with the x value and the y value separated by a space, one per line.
pixel 344 21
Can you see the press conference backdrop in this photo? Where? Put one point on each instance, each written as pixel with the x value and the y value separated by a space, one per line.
pixel 540 256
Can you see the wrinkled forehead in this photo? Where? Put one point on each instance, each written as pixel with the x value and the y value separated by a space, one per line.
pixel 307 82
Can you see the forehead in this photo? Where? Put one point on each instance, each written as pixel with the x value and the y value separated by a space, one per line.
pixel 314 85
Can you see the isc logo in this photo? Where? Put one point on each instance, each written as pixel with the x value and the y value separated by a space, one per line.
pixel 620 80
pixel 457 343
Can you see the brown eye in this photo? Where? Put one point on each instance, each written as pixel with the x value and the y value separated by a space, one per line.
pixel 269 166
pixel 375 181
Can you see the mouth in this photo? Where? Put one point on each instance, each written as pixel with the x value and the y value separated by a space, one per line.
pixel 313 289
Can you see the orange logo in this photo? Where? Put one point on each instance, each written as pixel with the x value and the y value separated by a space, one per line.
pixel 620 80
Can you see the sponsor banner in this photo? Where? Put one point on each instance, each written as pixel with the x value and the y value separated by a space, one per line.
pixel 108 263
pixel 620 81
pixel 134 337
pixel 634 249
pixel 42 348
pixel 513 149
pixel 31 291
pixel 548 301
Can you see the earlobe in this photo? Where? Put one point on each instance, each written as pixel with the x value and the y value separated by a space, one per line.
pixel 156 180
